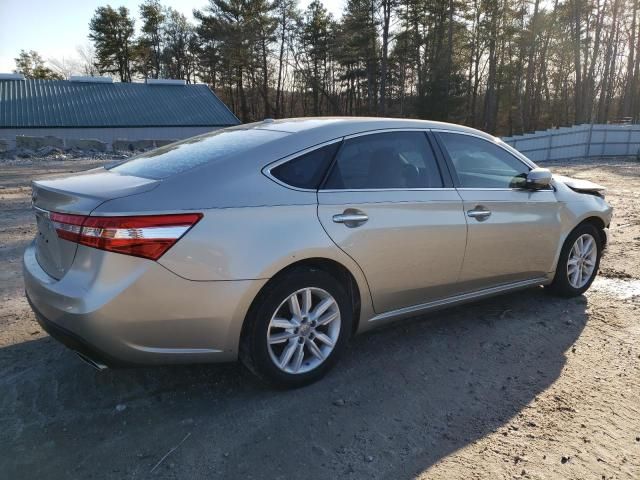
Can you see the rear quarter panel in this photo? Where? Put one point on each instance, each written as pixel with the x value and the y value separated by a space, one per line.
pixel 257 243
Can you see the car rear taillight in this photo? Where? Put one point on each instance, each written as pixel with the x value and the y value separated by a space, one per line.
pixel 148 236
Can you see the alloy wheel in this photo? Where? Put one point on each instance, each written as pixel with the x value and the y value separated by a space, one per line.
pixel 581 263
pixel 304 330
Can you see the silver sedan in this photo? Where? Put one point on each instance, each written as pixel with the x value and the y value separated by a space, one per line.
pixel 274 242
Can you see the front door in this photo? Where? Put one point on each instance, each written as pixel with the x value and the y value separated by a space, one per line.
pixel 384 204
pixel 513 233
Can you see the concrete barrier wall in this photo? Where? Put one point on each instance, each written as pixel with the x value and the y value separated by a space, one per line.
pixel 578 141
pixel 99 139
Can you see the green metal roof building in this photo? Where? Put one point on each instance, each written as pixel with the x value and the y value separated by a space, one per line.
pixel 112 114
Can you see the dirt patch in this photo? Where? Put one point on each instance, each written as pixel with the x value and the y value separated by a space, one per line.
pixel 524 385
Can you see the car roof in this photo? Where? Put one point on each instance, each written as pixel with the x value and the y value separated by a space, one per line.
pixel 333 127
pixel 238 180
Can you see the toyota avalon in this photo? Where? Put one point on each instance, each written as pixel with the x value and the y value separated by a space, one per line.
pixel 275 242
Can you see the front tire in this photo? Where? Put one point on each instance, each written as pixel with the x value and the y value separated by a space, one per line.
pixel 297 328
pixel 578 263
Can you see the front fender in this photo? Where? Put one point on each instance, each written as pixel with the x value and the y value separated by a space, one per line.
pixel 576 208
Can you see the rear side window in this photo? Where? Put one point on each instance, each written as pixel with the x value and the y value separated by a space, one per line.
pixel 193 152
pixel 396 160
pixel 308 170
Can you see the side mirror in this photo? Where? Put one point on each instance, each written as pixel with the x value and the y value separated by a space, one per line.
pixel 538 179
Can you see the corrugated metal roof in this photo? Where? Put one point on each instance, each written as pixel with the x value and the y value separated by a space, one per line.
pixel 59 103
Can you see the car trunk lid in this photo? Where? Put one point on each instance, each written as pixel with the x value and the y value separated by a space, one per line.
pixel 75 195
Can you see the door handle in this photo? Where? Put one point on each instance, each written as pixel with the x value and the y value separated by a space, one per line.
pixel 351 218
pixel 479 213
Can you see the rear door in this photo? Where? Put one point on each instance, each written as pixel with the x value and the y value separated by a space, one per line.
pixel 387 205
pixel 513 232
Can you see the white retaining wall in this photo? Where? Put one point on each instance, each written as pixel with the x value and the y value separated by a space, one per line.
pixel 106 135
pixel 578 141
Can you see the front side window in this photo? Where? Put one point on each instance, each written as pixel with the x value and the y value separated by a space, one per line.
pixel 385 160
pixel 482 164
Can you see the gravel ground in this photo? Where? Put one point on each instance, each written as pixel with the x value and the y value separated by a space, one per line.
pixel 523 385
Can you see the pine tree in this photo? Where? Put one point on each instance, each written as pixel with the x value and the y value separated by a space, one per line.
pixel 112 33
pixel 149 44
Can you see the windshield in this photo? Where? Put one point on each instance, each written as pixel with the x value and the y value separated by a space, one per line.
pixel 182 156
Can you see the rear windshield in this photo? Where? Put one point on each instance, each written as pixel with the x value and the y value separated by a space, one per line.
pixel 193 152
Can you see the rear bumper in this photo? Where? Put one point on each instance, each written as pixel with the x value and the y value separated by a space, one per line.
pixel 74 342
pixel 118 310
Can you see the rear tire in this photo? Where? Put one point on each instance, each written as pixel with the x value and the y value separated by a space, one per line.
pixel 297 328
pixel 578 263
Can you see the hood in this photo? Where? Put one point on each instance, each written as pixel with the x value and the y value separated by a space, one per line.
pixel 581 186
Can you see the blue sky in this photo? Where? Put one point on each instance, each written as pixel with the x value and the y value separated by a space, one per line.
pixel 55 28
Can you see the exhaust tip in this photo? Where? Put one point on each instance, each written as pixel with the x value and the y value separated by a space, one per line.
pixel 95 364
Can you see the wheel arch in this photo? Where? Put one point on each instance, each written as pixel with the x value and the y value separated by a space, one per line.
pixel 599 224
pixel 589 219
pixel 561 284
pixel 331 266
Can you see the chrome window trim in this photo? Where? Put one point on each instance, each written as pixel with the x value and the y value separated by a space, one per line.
pixel 266 171
pixel 500 189
pixel 478 189
pixel 431 189
pixel 386 130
